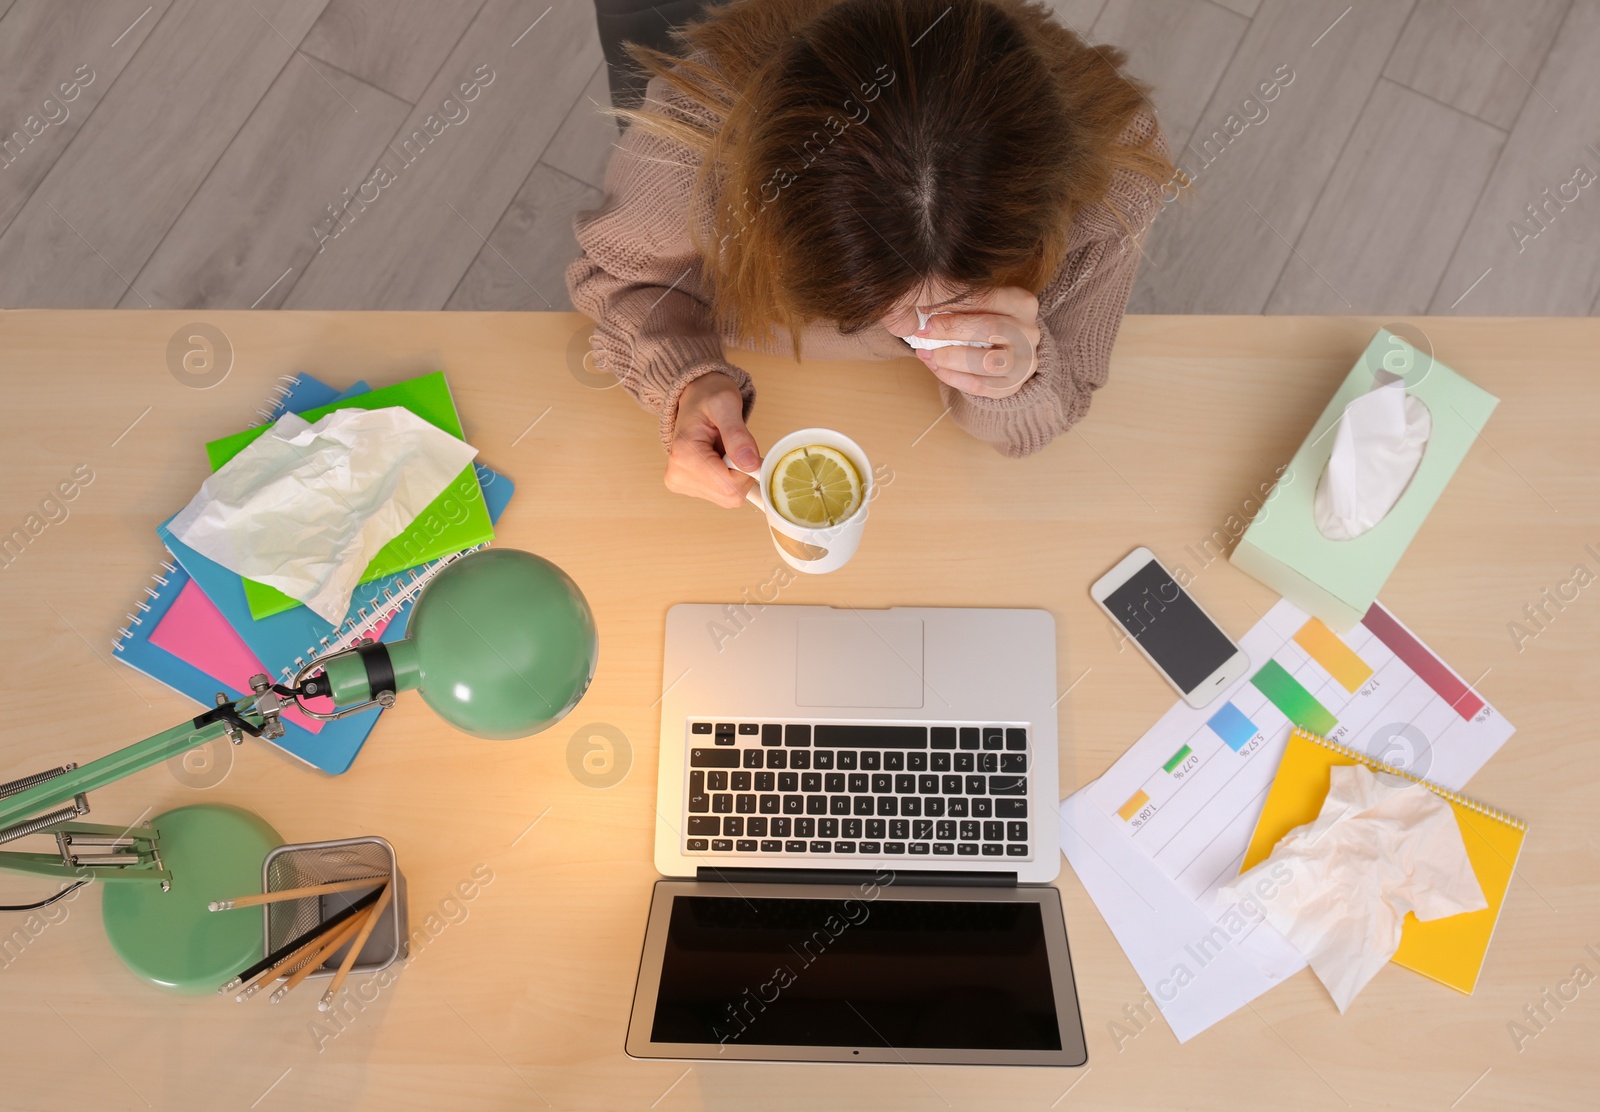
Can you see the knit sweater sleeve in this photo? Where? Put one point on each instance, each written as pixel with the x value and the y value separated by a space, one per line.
pixel 1080 312
pixel 639 275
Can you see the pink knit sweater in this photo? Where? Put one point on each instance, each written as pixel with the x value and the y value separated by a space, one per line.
pixel 640 278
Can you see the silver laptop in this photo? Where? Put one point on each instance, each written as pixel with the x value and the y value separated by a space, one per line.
pixel 865 800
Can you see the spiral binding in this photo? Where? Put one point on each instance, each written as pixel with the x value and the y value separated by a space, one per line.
pixel 132 618
pixel 1444 793
pixel 272 406
pixel 359 626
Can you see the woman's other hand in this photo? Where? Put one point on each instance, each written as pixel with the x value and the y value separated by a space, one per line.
pixel 710 425
pixel 1007 319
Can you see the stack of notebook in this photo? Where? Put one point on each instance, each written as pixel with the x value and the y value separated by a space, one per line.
pixel 203 629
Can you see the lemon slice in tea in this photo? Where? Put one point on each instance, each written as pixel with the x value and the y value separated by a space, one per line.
pixel 816 486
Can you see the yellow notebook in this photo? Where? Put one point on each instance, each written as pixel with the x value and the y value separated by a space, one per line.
pixel 1450 950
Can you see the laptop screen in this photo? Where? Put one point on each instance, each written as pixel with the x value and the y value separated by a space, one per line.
pixel 746 970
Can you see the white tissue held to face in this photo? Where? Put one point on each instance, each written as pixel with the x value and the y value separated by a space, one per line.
pixel 1377 448
pixel 305 507
pixel 1341 885
pixel 925 342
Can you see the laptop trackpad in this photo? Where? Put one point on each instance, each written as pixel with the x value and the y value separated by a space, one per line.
pixel 860 660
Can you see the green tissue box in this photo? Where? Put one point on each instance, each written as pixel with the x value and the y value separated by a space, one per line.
pixel 1338 580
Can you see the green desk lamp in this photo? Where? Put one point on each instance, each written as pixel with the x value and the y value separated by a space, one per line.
pixel 501 644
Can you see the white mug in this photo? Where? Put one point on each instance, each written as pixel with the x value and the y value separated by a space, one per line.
pixel 811 549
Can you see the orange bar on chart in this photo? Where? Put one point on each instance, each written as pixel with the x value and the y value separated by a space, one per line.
pixel 1341 661
pixel 1131 808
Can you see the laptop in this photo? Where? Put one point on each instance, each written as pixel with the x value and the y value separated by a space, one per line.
pixel 856 811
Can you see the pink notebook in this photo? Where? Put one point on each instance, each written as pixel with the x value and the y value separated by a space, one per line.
pixel 194 631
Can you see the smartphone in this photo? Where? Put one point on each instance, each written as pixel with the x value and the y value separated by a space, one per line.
pixel 1189 649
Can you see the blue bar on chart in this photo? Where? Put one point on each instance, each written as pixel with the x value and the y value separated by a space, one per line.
pixel 1230 724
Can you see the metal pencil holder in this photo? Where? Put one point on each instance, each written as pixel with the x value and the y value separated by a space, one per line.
pixel 308 863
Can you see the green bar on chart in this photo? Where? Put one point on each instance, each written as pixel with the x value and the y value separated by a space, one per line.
pixel 1176 759
pixel 1297 704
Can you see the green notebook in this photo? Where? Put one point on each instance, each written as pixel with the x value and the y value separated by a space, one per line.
pixel 455 520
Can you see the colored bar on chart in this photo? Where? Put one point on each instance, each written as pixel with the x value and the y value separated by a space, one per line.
pixel 1416 656
pixel 1176 759
pixel 1131 808
pixel 1230 724
pixel 1297 704
pixel 1341 661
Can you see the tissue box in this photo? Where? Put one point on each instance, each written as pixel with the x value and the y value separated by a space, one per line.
pixel 1338 580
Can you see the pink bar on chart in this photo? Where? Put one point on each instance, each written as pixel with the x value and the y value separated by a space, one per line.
pixel 1416 656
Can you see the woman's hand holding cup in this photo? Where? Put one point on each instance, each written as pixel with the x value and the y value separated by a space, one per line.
pixel 711 425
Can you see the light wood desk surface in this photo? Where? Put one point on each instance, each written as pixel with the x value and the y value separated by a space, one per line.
pixel 521 996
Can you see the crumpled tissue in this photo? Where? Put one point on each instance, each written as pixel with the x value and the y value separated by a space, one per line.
pixel 305 507
pixel 927 342
pixel 1376 449
pixel 1380 847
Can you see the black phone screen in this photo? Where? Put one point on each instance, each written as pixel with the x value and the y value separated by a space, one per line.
pixel 1168 625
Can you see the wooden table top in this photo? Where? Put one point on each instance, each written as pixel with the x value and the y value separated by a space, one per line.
pixel 519 997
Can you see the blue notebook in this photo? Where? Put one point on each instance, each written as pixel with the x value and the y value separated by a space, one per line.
pixel 281 638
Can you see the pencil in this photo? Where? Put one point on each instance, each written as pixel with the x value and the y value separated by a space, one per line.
pixel 281 955
pixel 293 961
pixel 355 948
pixel 295 893
pixel 338 937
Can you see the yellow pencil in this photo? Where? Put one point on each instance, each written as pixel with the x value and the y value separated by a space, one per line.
pixel 338 938
pixel 295 893
pixel 355 948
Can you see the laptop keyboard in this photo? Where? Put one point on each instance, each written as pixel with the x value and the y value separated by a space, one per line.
pixel 857 790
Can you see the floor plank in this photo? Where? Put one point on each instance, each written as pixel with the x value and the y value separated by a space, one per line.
pixel 264 208
pixel 583 144
pixel 1181 49
pixel 1382 234
pixel 1477 55
pixel 1547 261
pixel 411 247
pixel 114 192
pixel 397 45
pixel 43 47
pixel 1258 166
pixel 523 264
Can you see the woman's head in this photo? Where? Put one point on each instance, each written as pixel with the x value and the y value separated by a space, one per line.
pixel 876 155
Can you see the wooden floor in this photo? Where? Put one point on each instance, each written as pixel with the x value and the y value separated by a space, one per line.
pixel 1415 156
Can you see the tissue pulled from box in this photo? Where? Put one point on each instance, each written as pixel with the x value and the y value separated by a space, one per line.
pixel 305 507
pixel 1381 846
pixel 928 343
pixel 1376 449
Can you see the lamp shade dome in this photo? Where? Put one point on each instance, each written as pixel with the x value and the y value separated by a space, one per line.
pixel 505 644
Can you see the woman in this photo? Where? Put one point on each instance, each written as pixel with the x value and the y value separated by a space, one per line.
pixel 815 176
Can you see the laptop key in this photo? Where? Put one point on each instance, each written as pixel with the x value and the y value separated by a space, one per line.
pixel 833 782
pixel 899 829
pixel 894 848
pixel 905 784
pixel 945 830
pixel 942 737
pixel 994 831
pixel 781 827
pixel 969 831
pixel 940 762
pixel 922 828
pixel 770 805
pixel 871 761
pixel 717 781
pixel 793 846
pixel 704 824
pixel 1011 808
pixel 766 782
pixel 805 828
pixel 788 781
pixel 844 847
pixel 733 827
pixel 794 804
pixel 821 847
pixel 882 782
pixel 698 799
pixel 827 828
pixel 917 762
pixel 850 828
pixel 845 760
pixel 967 849
pixel 771 734
pixel 771 845
pixel 697 845
pixel 982 808
pixel 823 759
pixel 928 784
pixel 859 782
pixel 894 762
pixel 861 805
pixel 794 734
pixel 724 739
pixel 800 758
pixel 1008 785
pixel 755 826
pixel 1016 849
pixel 861 736
pixel 964 762
pixel 816 805
pixel 876 828
pixel 992 849
pixel 753 759
pixel 811 782
pixel 911 805
pixel 956 808
pixel 994 737
pixel 838 805
pixel 722 804
pixel 1016 739
pixel 918 848
pixel 872 848
pixel 1016 832
pixel 713 758
pixel 944 849
pixel 952 785
pixel 700 728
pixel 1013 762
pixel 777 758
pixel 745 804
pixel 933 806
pixel 976 785
pixel 887 805
pixel 721 845
pixel 745 845
pixel 969 737
pixel 749 728
pixel 988 762
pixel 739 781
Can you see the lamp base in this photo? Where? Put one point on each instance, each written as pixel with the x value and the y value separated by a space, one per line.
pixel 213 852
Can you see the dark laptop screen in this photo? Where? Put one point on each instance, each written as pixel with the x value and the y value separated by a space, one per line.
pixel 829 972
